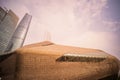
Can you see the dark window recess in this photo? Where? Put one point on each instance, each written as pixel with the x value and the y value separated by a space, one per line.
pixel 67 58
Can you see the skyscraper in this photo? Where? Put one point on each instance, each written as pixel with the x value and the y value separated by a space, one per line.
pixel 19 35
pixel 8 22
pixel 11 37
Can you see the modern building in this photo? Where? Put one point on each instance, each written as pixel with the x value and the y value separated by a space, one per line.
pixel 20 33
pixel 46 60
pixel 50 61
pixel 8 22
pixel 12 37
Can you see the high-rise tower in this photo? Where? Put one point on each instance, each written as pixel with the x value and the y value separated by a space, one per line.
pixel 8 22
pixel 12 38
pixel 19 35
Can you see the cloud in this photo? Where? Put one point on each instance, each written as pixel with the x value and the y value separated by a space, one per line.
pixel 64 18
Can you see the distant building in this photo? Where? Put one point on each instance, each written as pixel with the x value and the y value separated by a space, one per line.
pixel 8 22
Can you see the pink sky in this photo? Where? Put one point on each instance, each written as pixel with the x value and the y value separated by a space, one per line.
pixel 69 22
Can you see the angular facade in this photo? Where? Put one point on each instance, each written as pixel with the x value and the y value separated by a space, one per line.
pixel 8 22
pixel 50 61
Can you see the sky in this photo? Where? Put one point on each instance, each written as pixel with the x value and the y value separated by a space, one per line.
pixel 83 23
